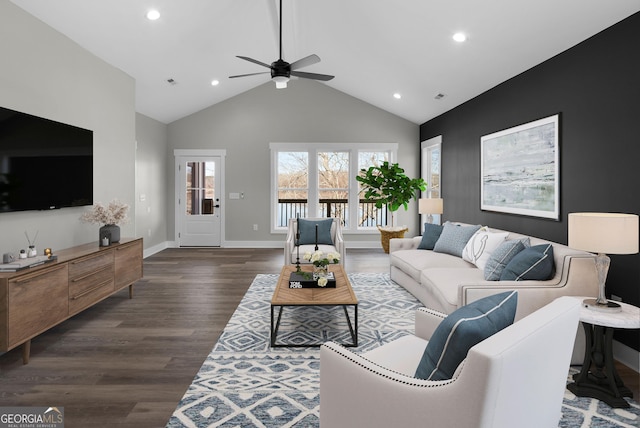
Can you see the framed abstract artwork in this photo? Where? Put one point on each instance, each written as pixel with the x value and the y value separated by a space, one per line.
pixel 520 169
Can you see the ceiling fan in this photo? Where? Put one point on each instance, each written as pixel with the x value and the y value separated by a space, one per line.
pixel 282 70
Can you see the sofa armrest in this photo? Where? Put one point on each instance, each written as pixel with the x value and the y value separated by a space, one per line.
pixel 396 244
pixel 426 322
pixel 578 278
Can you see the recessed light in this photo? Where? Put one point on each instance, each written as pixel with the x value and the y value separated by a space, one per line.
pixel 397 96
pixel 459 37
pixel 215 82
pixel 153 14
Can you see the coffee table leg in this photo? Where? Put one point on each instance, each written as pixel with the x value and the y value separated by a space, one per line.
pixel 274 330
pixel 354 332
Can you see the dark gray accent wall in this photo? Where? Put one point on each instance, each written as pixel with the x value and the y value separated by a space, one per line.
pixel 595 86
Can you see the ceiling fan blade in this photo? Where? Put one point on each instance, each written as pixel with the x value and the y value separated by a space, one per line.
pixel 255 61
pixel 314 76
pixel 306 61
pixel 250 74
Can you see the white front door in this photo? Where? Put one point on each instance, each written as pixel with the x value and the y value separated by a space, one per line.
pixel 200 198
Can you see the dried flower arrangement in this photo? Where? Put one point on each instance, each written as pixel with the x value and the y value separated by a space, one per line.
pixel 113 213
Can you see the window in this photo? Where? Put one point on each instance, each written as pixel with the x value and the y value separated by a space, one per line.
pixel 318 180
pixel 333 185
pixel 431 151
pixel 293 185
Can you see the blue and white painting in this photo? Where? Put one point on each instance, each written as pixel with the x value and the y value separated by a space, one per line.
pixel 520 169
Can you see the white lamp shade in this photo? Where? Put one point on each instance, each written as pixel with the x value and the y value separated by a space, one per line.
pixel 607 233
pixel 430 206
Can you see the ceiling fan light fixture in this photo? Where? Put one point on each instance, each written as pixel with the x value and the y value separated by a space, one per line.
pixel 281 81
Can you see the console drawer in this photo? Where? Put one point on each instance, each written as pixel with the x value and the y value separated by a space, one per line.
pixel 90 280
pixel 36 302
pixel 87 265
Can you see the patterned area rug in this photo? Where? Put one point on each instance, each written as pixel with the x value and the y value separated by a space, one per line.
pixel 245 383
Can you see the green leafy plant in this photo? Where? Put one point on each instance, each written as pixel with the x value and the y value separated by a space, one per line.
pixel 388 185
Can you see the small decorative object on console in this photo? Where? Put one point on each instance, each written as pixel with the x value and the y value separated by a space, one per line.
pixel 32 244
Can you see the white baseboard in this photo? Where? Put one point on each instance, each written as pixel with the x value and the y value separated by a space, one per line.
pixel 155 249
pixel 626 355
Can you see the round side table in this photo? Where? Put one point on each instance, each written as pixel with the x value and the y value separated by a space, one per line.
pixel 598 377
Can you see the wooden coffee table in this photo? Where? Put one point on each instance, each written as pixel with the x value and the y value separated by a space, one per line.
pixel 341 295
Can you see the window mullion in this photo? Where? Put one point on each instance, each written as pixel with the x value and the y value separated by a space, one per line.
pixel 313 183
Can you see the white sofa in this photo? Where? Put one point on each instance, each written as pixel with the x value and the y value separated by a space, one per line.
pixel 444 283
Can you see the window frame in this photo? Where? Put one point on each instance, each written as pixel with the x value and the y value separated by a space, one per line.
pixel 313 192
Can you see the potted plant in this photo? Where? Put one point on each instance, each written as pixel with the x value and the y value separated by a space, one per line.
pixel 388 185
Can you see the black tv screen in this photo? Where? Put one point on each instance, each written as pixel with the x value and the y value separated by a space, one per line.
pixel 44 164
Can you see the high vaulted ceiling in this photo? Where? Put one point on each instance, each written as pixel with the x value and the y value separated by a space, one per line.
pixel 375 48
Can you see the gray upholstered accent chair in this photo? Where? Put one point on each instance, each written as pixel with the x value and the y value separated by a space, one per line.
pixel 515 378
pixel 336 246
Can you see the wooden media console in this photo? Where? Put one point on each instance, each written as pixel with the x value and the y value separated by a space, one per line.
pixel 35 299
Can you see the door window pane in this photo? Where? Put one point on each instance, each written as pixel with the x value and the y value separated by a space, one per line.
pixel 200 188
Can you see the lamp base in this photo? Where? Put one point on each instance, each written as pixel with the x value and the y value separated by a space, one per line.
pixel 608 306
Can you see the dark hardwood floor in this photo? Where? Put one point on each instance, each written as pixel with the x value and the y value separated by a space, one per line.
pixel 127 363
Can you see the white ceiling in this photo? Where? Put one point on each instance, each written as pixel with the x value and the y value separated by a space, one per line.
pixel 374 47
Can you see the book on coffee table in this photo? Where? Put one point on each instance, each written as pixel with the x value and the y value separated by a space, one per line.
pixel 305 280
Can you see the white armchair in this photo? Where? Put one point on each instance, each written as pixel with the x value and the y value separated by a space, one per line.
pixel 516 377
pixel 290 254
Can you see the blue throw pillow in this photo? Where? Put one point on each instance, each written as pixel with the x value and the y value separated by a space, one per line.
pixel 454 238
pixel 308 231
pixel 463 329
pixel 535 263
pixel 430 237
pixel 501 257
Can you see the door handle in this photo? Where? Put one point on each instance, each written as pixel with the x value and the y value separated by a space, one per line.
pixel 217 206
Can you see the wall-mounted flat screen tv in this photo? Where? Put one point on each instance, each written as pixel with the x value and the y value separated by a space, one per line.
pixel 44 164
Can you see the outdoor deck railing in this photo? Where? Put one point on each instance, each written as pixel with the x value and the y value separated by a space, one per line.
pixel 368 214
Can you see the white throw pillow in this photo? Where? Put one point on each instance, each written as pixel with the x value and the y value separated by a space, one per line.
pixel 479 248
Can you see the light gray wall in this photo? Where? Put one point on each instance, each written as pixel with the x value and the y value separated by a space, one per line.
pixel 44 73
pixel 307 111
pixel 151 181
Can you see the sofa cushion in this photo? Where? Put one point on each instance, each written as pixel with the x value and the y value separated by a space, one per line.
pixel 453 238
pixel 430 236
pixel 534 263
pixel 481 245
pixel 500 257
pixel 463 329
pixel 442 285
pixel 413 262
pixel 308 231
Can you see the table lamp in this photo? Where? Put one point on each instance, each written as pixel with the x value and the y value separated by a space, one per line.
pixel 603 233
pixel 430 206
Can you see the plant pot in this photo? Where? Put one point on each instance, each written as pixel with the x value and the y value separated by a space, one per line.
pixel 109 231
pixel 386 233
